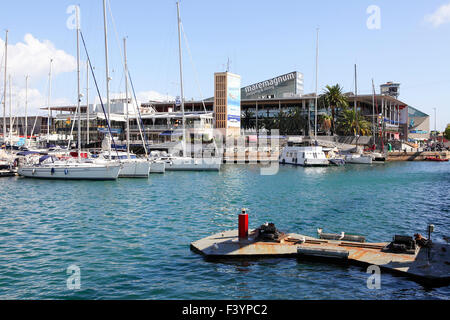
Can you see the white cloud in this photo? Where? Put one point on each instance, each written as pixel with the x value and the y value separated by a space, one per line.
pixel 32 57
pixel 440 16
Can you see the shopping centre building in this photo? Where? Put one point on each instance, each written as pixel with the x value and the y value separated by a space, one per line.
pixel 237 110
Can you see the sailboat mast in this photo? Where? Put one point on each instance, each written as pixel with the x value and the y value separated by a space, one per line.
pixel 87 102
pixel 373 112
pixel 4 91
pixel 10 115
pixel 356 98
pixel 108 101
pixel 126 95
pixel 181 78
pixel 26 110
pixel 317 73
pixel 48 102
pixel 78 85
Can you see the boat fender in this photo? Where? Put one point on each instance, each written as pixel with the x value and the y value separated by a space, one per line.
pixel 52 171
pixel 66 172
pixel 34 171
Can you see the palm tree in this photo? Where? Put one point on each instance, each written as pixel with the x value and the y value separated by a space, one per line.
pixel 247 117
pixel 326 122
pixel 335 100
pixel 350 125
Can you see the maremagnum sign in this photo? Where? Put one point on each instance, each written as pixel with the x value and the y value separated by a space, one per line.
pixel 283 86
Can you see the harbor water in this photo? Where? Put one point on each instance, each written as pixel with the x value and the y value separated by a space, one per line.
pixel 130 238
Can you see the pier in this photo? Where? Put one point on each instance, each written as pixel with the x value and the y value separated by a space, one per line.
pixel 417 156
pixel 430 266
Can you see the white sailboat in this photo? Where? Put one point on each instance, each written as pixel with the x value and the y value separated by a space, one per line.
pixel 74 169
pixel 132 167
pixel 184 162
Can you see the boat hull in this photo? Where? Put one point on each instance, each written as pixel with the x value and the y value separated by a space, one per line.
pixel 70 172
pixel 157 167
pixel 358 160
pixel 135 169
pixel 191 164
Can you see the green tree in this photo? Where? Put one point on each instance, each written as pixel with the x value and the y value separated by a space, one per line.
pixel 296 121
pixel 247 117
pixel 447 132
pixel 348 124
pixel 269 123
pixel 335 100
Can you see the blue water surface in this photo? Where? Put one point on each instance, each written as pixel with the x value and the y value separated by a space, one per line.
pixel 130 237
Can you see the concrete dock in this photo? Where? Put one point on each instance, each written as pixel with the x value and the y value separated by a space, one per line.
pixel 427 265
pixel 416 156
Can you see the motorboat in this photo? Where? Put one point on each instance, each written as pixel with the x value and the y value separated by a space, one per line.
pixel 337 161
pixel 358 159
pixel 307 156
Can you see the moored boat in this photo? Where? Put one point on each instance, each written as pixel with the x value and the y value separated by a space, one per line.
pixel 358 159
pixel 304 156
pixel 436 158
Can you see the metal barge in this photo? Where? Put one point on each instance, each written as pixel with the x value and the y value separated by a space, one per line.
pixel 430 265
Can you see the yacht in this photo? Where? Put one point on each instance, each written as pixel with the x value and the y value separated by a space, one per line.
pixel 183 162
pixel 306 156
pixel 156 164
pixel 52 168
pixel 358 159
pixel 132 166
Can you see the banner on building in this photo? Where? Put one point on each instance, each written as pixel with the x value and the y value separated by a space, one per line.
pixel 233 101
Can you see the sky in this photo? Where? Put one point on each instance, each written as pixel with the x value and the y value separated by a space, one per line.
pixel 395 41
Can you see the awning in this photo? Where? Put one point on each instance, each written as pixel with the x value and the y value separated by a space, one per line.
pixel 27 153
pixel 171 133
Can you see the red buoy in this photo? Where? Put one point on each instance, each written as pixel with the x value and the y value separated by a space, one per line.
pixel 243 225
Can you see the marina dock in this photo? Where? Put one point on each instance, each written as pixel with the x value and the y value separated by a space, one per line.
pixel 425 265
pixel 417 156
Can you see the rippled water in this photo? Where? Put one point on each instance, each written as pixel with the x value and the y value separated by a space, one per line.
pixel 131 238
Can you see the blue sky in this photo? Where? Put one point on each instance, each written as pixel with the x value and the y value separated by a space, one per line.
pixel 261 38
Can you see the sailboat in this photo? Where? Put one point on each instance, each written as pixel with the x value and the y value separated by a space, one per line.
pixel 300 153
pixel 132 167
pixel 184 162
pixel 74 169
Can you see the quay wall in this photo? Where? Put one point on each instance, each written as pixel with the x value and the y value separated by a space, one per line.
pixel 416 156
